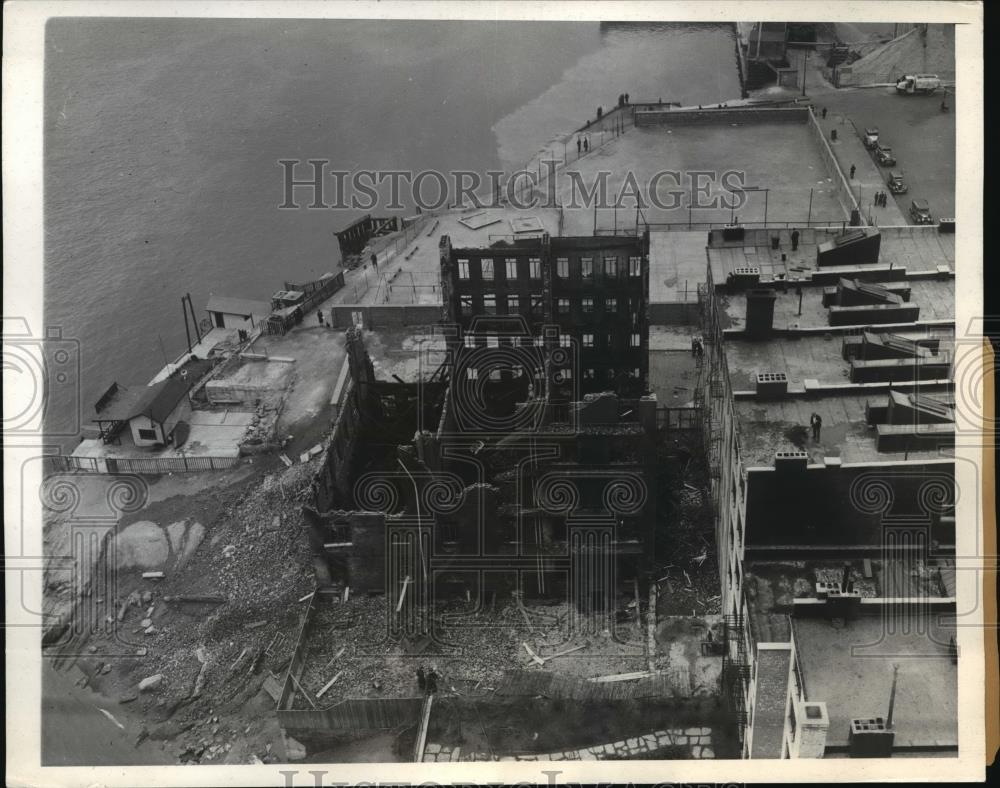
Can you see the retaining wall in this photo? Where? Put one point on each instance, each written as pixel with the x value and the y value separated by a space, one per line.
pixel 386 315
pixel 688 117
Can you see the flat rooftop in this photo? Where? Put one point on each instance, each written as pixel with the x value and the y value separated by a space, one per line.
pixel 810 356
pixel 771 587
pixel 783 425
pixel 848 665
pixel 912 248
pixel 935 297
pixel 782 157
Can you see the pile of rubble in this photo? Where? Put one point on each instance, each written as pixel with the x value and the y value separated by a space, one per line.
pixel 210 635
pixel 349 653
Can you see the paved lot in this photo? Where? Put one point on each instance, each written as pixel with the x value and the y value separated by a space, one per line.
pixel 783 158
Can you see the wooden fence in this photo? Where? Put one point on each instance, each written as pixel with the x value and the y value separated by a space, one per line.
pixel 146 465
pixel 318 291
pixel 354 714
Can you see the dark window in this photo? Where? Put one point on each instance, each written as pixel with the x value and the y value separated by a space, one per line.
pixel 147 435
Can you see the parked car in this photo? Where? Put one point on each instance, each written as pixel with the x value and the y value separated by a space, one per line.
pixel 896 183
pixel 920 212
pixel 871 138
pixel 883 155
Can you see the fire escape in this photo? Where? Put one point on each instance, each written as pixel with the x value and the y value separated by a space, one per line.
pixel 736 673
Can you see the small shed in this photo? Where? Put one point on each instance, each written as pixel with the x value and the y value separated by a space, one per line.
pixel 151 413
pixel 226 312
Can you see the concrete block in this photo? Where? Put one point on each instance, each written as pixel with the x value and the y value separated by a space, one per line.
pixel 696 751
pixel 433 748
pixel 707 752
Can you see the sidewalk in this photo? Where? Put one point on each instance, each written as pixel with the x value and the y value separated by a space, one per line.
pixel 868 179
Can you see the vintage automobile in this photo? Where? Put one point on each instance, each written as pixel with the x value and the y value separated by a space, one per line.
pixel 920 212
pixel 883 155
pixel 896 183
pixel 871 138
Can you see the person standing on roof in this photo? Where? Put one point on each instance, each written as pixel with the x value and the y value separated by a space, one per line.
pixel 795 240
pixel 816 422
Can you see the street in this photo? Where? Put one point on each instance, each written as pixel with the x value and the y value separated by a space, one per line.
pixel 922 139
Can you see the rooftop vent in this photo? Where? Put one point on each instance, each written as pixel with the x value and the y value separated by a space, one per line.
pixel 790 460
pixel 870 738
pixel 772 384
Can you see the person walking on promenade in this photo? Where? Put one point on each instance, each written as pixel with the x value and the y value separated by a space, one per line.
pixel 579 145
pixel 853 170
pixel 824 113
pixel 319 315
pixel 586 144
pixel 795 240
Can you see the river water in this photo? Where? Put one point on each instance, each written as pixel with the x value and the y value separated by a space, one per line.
pixel 162 139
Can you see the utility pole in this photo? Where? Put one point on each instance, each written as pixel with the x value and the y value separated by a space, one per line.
pixel 805 62
pixel 809 218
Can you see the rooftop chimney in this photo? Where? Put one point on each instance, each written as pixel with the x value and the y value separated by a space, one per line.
pixel 760 312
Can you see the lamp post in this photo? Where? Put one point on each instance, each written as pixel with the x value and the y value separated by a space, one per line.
pixel 805 61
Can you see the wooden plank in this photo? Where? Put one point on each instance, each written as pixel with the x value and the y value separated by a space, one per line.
pixel 328 684
pixel 641 674
pixel 425 718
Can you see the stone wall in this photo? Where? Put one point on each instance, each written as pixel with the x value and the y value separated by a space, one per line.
pixel 697 741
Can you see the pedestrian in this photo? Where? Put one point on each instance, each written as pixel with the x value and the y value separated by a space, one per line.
pixel 421 679
pixel 432 682
pixel 319 314
pixel 853 169
pixel 579 145
pixel 375 262
pixel 795 240
pixel 816 422
pixel 586 144
pixel 824 113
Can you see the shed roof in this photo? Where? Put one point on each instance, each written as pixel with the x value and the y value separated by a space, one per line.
pixel 237 306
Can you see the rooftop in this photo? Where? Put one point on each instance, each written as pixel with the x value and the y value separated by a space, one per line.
pixel 912 248
pixel 817 356
pixel 237 306
pixel 783 425
pixel 848 665
pixel 935 297
pixel 763 151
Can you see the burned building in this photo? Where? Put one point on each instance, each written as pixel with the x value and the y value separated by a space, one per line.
pixel 593 291
pixel 450 485
pixel 830 426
